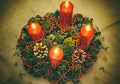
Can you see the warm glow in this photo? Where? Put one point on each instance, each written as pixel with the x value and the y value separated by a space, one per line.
pixel 88 28
pixel 33 26
pixel 56 51
pixel 66 3
pixel 56 55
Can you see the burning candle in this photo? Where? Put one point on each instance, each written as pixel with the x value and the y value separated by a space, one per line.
pixel 56 54
pixel 66 9
pixel 86 35
pixel 35 31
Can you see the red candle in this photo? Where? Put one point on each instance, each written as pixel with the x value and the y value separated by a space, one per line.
pixel 66 9
pixel 86 35
pixel 56 56
pixel 35 31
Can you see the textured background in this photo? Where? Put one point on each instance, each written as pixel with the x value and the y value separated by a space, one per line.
pixel 14 14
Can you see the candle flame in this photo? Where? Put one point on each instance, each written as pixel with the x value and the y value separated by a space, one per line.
pixel 66 3
pixel 88 28
pixel 33 26
pixel 56 51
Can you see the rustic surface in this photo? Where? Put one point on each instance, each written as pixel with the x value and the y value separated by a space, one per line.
pixel 14 14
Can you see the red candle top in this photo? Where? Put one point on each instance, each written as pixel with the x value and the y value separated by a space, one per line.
pixel 56 53
pixel 87 30
pixel 66 6
pixel 34 28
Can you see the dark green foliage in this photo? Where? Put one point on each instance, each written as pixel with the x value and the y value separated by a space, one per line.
pixel 74 30
pixel 33 19
pixel 58 39
pixel 76 81
pixel 94 58
pixel 80 20
pixel 46 42
pixel 62 82
pixel 62 68
pixel 53 75
pixel 57 13
pixel 26 36
pixel 88 20
pixel 20 46
pixel 68 52
pixel 46 23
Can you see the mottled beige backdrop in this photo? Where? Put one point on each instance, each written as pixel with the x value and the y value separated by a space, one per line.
pixel 14 14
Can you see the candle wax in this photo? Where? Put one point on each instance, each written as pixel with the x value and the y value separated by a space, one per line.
pixel 34 30
pixel 56 55
pixel 66 9
pixel 86 35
